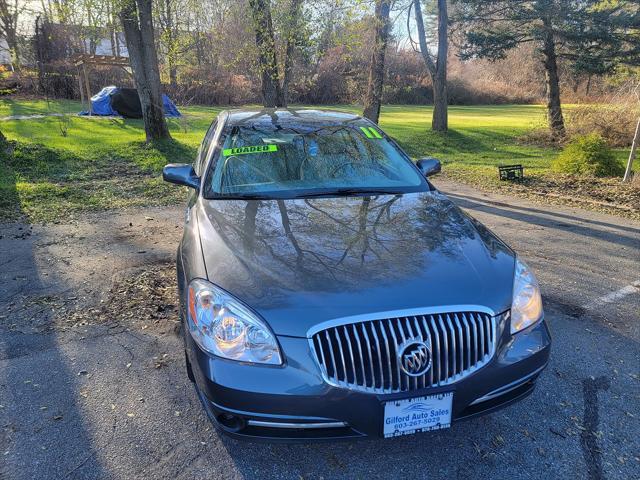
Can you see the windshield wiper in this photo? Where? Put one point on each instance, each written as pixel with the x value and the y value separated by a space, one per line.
pixel 243 196
pixel 348 192
pixel 340 192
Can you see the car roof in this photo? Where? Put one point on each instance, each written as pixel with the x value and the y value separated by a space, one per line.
pixel 285 117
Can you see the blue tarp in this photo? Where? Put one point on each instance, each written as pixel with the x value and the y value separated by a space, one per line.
pixel 101 104
pixel 170 109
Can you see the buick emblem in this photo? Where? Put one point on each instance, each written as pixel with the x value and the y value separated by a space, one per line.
pixel 414 357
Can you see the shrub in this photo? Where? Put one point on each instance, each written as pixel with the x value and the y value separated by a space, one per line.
pixel 588 155
pixel 615 122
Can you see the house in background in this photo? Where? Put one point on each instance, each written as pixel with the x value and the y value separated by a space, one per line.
pixel 65 41
pixel 5 56
pixel 108 46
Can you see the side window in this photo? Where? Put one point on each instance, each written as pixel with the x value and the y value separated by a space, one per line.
pixel 204 149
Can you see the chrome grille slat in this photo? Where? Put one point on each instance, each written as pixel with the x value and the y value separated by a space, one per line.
pixel 364 355
pixel 468 339
pixel 333 358
pixel 481 330
pixel 368 344
pixel 336 332
pixel 386 346
pixel 453 345
pixel 375 335
pixel 445 346
pixel 353 360
pixel 357 337
pixel 395 342
pixel 461 340
pixel 473 336
pixel 435 354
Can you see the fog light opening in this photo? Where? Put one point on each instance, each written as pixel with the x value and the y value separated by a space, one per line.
pixel 231 422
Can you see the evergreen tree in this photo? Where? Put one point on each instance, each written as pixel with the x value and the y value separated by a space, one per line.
pixel 593 35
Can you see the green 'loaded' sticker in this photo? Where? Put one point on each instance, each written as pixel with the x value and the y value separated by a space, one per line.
pixel 227 152
pixel 370 132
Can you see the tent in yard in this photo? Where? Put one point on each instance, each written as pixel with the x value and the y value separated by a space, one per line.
pixel 116 101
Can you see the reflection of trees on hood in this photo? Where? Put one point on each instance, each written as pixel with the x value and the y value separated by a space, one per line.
pixel 443 226
pixel 315 243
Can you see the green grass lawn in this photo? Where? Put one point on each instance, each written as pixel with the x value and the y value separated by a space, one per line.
pixel 68 164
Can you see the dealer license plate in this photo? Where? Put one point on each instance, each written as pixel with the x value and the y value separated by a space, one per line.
pixel 420 414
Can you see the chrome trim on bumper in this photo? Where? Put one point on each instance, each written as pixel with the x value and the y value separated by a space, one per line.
pixel 260 423
pixel 507 388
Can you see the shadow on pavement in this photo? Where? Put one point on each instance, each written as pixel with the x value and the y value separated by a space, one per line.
pixel 539 217
pixel 43 428
pixel 550 213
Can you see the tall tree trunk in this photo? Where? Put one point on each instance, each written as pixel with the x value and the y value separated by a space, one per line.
pixel 438 68
pixel 112 28
pixel 440 95
pixel 375 84
pixel 199 52
pixel 552 79
pixel 292 35
pixel 171 50
pixel 138 30
pixel 173 73
pixel 271 91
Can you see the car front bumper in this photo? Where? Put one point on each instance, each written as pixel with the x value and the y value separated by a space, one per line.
pixel 293 402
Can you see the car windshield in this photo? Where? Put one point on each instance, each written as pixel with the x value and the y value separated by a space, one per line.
pixel 280 162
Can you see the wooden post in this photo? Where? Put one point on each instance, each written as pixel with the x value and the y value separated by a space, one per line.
pixel 632 155
pixel 81 88
pixel 87 88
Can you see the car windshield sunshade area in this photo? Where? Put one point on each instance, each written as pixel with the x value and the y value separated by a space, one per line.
pixel 273 162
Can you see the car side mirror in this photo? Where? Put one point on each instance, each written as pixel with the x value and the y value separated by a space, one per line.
pixel 429 166
pixel 181 174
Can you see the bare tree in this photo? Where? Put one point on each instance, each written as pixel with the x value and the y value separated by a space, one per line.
pixel 169 38
pixel 437 67
pixel 375 84
pixel 292 21
pixel 9 13
pixel 137 22
pixel 265 41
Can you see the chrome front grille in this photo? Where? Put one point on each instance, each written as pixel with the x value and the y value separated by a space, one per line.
pixel 364 356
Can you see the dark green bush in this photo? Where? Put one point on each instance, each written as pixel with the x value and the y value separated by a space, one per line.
pixel 588 155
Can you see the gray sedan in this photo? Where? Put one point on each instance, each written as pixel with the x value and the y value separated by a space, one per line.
pixel 329 291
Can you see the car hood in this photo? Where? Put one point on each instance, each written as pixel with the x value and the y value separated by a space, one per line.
pixel 299 263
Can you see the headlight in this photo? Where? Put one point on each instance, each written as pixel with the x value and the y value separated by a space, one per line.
pixel 526 307
pixel 222 326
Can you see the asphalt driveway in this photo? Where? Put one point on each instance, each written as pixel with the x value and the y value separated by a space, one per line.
pixel 92 379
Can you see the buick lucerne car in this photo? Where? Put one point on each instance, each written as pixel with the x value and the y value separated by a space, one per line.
pixel 328 290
